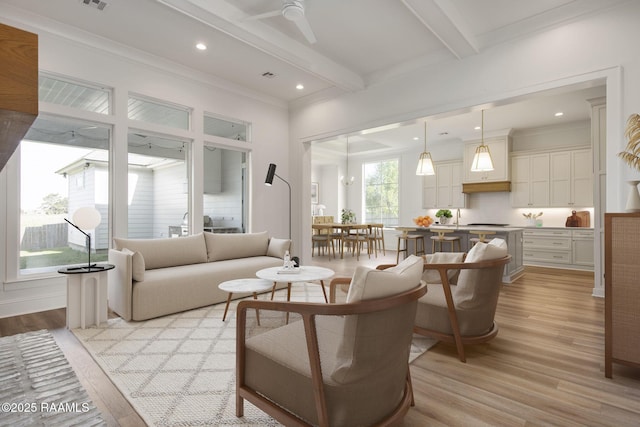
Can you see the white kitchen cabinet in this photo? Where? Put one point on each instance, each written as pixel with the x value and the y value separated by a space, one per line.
pixel 499 149
pixel 560 248
pixel 530 180
pixel 582 250
pixel 444 189
pixel 212 170
pixel 571 179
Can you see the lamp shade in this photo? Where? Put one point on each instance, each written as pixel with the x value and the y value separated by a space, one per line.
pixel 425 165
pixel 482 160
pixel 270 174
pixel 87 218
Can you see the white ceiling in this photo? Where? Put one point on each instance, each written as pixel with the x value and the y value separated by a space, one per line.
pixel 359 42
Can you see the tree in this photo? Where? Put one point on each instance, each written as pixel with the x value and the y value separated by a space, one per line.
pixel 53 204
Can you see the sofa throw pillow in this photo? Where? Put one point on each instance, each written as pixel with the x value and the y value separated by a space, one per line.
pixel 370 284
pixel 137 264
pixel 167 252
pixel 277 247
pixel 235 245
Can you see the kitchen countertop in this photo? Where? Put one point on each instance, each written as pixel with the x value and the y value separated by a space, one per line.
pixel 463 227
pixel 557 228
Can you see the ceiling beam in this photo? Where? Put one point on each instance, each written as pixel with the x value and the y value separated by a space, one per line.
pixel 228 19
pixel 445 22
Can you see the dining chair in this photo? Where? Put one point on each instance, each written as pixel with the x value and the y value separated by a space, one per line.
pixel 375 238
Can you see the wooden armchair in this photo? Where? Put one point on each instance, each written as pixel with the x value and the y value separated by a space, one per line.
pixel 463 313
pixel 343 364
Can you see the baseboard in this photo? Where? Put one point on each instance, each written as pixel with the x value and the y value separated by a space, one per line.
pixel 28 305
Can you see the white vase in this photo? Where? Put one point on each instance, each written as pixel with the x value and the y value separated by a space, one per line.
pixel 444 220
pixel 633 199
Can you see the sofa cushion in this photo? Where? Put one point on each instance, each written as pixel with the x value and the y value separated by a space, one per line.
pixel 467 294
pixel 278 247
pixel 368 283
pixel 235 245
pixel 169 252
pixel 433 276
pixel 137 264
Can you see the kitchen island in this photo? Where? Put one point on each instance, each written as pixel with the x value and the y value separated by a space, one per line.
pixel 512 235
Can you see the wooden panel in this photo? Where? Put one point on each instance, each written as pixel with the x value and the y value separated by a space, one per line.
pixel 486 187
pixel 18 87
pixel 622 291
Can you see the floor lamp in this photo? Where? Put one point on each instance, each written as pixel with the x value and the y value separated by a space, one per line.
pixel 269 181
pixel 87 218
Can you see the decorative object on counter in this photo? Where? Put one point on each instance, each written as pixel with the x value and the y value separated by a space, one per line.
pixel 347 216
pixel 423 221
pixel 425 164
pixel 573 220
pixel 633 199
pixel 531 218
pixel 578 219
pixel 443 215
pixel 482 159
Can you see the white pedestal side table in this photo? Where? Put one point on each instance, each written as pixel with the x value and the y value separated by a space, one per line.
pixel 86 304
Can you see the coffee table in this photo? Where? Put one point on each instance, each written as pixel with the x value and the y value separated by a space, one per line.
pixel 244 286
pixel 303 274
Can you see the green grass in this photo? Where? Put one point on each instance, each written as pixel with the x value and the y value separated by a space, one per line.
pixel 54 257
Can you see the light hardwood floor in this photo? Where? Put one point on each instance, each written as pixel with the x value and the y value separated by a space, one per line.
pixel 545 367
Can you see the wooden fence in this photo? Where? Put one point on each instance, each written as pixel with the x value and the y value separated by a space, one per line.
pixel 44 237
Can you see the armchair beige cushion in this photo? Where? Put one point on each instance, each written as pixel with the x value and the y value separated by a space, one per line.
pixel 469 315
pixel 362 350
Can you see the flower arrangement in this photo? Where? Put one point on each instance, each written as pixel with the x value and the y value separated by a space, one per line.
pixel 631 153
pixel 444 213
pixel 532 216
pixel 347 216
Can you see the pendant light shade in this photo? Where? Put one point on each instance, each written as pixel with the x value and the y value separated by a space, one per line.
pixel 425 164
pixel 482 161
pixel 346 179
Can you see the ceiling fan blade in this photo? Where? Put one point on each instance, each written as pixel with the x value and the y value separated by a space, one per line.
pixel 263 15
pixel 305 29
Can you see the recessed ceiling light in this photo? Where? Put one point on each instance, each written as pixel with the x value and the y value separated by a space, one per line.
pixel 299 86
pixel 201 46
pixel 559 114
pixel 476 128
pixel 415 138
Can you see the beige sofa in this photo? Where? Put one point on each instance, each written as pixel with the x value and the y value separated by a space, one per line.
pixel 156 277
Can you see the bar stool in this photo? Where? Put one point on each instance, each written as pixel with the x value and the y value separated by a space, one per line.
pixel 441 238
pixel 482 234
pixel 418 240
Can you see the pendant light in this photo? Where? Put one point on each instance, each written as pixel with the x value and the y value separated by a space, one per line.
pixel 425 164
pixel 482 161
pixel 347 181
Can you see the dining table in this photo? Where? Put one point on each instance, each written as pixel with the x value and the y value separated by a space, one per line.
pixel 344 230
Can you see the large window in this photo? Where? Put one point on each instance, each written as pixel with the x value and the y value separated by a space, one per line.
pixel 63 166
pixel 381 192
pixel 158 201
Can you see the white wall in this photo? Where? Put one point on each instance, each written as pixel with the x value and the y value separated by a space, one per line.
pixel 601 47
pixel 66 51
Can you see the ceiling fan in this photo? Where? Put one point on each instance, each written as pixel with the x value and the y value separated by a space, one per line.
pixel 293 10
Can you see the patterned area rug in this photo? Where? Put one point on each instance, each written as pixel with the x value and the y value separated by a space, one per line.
pixel 179 370
pixel 38 387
